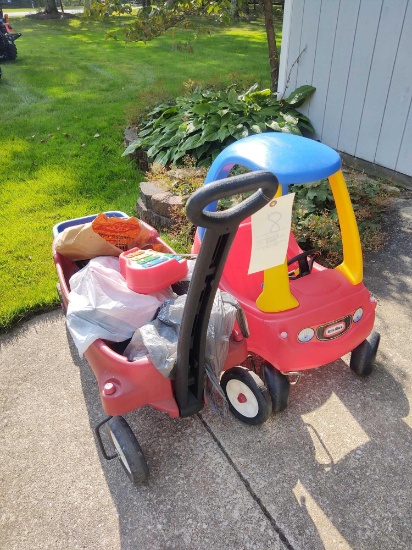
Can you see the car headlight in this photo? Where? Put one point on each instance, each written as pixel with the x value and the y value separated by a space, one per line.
pixel 306 335
pixel 357 316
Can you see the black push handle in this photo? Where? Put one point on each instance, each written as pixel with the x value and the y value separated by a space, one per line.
pixel 265 183
pixel 220 232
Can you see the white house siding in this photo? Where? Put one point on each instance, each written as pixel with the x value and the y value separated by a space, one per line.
pixel 358 55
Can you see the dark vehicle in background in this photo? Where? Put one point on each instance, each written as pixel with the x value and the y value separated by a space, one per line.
pixel 8 50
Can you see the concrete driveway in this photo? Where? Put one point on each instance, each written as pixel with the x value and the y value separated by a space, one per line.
pixel 333 471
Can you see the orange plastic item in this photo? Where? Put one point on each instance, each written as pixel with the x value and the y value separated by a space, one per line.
pixel 120 232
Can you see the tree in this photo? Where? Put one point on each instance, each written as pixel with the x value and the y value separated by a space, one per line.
pixel 234 10
pixel 50 7
pixel 271 39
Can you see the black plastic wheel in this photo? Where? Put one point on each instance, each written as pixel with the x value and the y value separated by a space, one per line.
pixel 128 449
pixel 278 385
pixel 363 356
pixel 247 395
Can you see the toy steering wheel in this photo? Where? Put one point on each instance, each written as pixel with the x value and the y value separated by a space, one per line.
pixel 305 262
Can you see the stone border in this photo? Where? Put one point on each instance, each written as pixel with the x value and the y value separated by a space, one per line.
pixel 155 205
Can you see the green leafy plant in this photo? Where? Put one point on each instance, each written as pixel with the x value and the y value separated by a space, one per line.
pixel 203 123
pixel 315 220
pixel 103 9
pixel 153 21
pixel 182 232
pixel 314 197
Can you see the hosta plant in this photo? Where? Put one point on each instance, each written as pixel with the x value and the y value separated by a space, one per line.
pixel 206 121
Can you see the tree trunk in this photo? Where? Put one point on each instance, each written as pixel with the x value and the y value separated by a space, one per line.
pixel 271 38
pixel 50 7
pixel 87 7
pixel 234 10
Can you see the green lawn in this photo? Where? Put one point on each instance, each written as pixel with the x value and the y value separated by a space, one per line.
pixel 65 103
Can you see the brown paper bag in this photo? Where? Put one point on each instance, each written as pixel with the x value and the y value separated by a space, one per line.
pixel 104 236
pixel 80 242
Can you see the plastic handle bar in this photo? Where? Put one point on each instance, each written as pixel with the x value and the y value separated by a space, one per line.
pixel 264 183
pixel 221 229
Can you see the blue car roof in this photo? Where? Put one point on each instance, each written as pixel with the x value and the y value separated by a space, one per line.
pixel 293 159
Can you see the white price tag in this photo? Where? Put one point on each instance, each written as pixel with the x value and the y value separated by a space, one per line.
pixel 270 234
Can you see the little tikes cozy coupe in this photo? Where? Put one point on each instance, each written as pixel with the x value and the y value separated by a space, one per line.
pixel 300 315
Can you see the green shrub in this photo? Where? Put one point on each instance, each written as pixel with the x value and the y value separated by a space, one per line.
pixel 315 220
pixel 180 182
pixel 206 121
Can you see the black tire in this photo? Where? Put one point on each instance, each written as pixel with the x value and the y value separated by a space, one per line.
pixel 3 43
pixel 278 385
pixel 11 51
pixel 8 49
pixel 363 356
pixel 248 397
pixel 128 449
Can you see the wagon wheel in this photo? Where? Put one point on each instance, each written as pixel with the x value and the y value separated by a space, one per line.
pixel 128 449
pixel 248 397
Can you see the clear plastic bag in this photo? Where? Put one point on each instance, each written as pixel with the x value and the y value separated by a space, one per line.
pixel 102 306
pixel 158 340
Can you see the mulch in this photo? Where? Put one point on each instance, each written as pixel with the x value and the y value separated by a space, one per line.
pixel 43 16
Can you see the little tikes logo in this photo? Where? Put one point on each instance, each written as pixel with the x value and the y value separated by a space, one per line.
pixel 334 329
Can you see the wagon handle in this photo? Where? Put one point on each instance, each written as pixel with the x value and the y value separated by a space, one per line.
pixel 221 229
pixel 263 182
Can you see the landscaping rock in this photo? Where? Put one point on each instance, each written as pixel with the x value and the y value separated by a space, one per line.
pixel 165 204
pixel 130 135
pixel 151 217
pixel 156 206
pixel 391 189
pixel 148 190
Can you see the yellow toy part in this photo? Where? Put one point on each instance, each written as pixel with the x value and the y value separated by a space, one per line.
pixel 352 265
pixel 276 295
